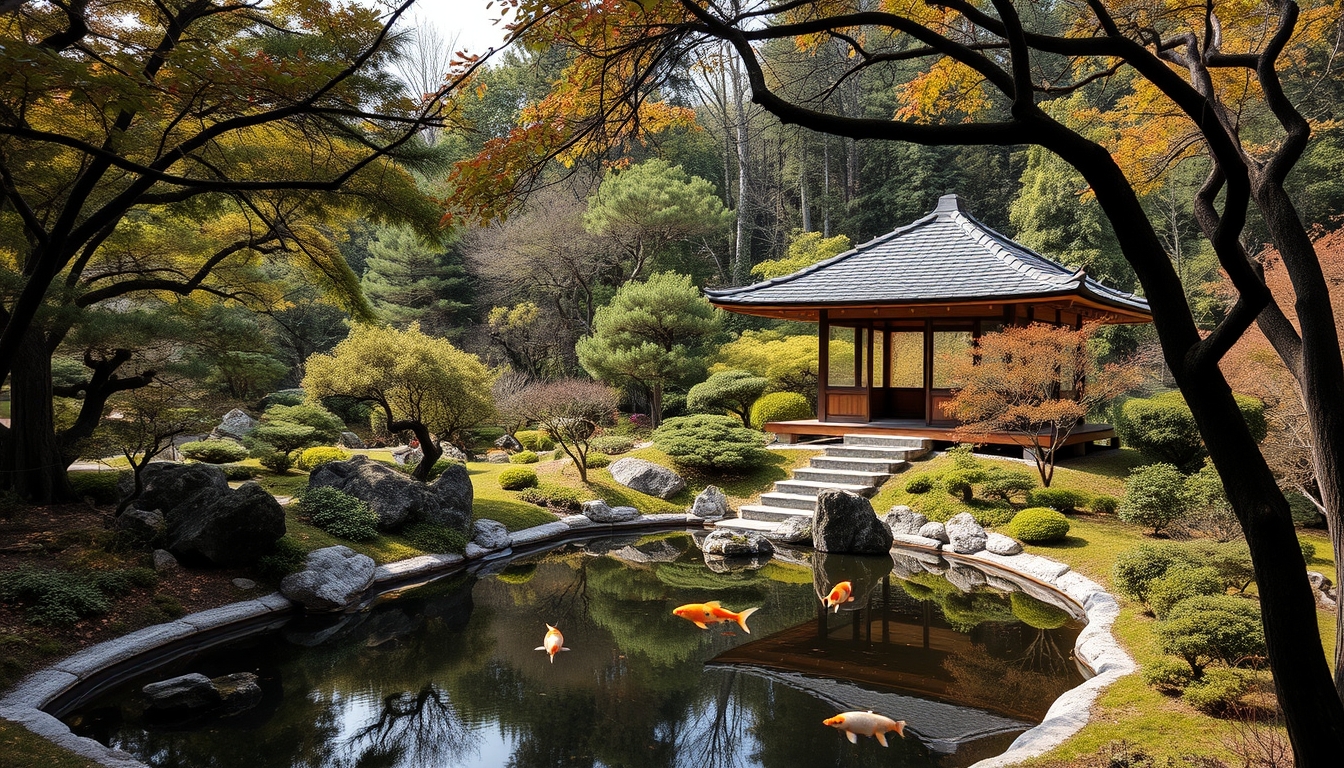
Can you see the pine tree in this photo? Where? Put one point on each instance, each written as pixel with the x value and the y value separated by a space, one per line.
pixel 408 280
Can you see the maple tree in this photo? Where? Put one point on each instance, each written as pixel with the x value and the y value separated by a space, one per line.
pixel 1193 80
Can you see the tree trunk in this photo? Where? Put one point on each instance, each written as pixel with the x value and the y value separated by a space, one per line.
pixel 429 447
pixel 742 251
pixel 826 185
pixel 33 464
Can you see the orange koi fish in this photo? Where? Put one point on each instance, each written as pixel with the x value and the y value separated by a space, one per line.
pixel 842 593
pixel 553 643
pixel 856 724
pixel 704 614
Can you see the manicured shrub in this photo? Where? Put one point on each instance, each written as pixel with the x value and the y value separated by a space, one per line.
pixel 612 445
pixel 1217 692
pixel 1230 559
pixel 434 538
pixel 1154 496
pixel 56 598
pixel 1006 482
pixel 553 496
pixel 311 458
pixel 339 513
pixel 1038 525
pixel 278 462
pixel 524 457
pixel 101 487
pixel 711 442
pixel 1168 675
pixel 730 391
pixel 517 478
pixel 779 406
pixel 1037 614
pixel 1134 571
pixel 1202 630
pixel 535 440
pixel 598 460
pixel 239 472
pixel 1180 582
pixel 1163 427
pixel 286 557
pixel 958 482
pixel 919 484
pixel 291 427
pixel 1059 499
pixel 1105 505
pixel 213 451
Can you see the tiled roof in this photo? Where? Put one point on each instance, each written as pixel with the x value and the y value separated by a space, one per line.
pixel 944 256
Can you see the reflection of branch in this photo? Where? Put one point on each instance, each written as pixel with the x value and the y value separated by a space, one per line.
pixel 1043 654
pixel 716 743
pixel 424 723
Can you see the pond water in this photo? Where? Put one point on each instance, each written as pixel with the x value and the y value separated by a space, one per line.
pixel 447 675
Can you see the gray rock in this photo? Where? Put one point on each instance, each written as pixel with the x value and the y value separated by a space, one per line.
pixel 140 524
pixel 397 498
pixel 598 511
pixel 244 583
pixel 934 531
pixel 964 534
pixel 238 692
pixel 918 541
pixel 646 552
pixel 187 692
pixel 164 562
pixel 737 564
pixel 475 551
pixel 166 485
pixel 1319 581
pixel 736 544
pixel 1002 545
pixel 490 534
pixel 795 530
pixel 236 424
pixel 497 457
pixel 453 453
pixel 964 578
pixel 844 522
pixel 646 477
pixel 351 440
pixel 902 519
pixel 576 521
pixel 509 443
pixel 229 527
pixel 711 504
pixel 332 578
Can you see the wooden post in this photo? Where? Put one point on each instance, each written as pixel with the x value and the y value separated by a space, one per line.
pixel 823 360
pixel 928 371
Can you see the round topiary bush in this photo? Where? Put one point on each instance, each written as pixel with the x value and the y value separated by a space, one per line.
pixel 919 484
pixel 213 451
pixel 1135 571
pixel 958 482
pixel 1105 505
pixel 1180 582
pixel 1163 427
pixel 1059 499
pixel 1154 496
pixel 535 440
pixel 598 460
pixel 311 458
pixel 1168 675
pixel 1202 630
pixel 1007 482
pixel 779 406
pixel 1038 525
pixel 711 442
pixel 524 457
pixel 239 472
pixel 517 478
pixel 1037 613
pixel 339 513
pixel 612 445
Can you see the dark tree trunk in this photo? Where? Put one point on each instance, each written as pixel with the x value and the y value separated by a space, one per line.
pixel 429 447
pixel 33 463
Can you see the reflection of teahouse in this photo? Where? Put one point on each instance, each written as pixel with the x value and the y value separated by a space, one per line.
pixel 887 311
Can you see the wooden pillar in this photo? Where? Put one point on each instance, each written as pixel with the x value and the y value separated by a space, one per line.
pixel 928 371
pixel 823 360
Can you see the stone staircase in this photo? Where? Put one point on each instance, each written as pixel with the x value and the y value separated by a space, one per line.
pixel 861 464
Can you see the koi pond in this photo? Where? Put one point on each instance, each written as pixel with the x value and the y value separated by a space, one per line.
pixel 446 674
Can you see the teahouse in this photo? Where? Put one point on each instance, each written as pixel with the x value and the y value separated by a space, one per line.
pixel 891 309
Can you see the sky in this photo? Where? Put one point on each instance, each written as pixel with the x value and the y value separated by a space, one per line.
pixel 468 18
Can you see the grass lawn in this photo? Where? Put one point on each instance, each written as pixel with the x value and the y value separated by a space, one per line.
pixel 21 748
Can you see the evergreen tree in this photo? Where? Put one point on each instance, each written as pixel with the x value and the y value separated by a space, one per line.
pixel 408 280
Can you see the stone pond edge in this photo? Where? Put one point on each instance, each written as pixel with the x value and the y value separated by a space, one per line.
pixel 1095 647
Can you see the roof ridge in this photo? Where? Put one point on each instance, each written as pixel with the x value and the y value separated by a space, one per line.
pixel 997 244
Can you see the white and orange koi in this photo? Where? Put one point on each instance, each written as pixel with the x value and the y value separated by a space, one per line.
pixel 841 593
pixel 553 643
pixel 856 724
pixel 704 614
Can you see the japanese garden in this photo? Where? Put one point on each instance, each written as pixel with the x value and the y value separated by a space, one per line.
pixel 769 383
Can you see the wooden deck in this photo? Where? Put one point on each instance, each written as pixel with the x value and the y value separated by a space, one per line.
pixel 792 431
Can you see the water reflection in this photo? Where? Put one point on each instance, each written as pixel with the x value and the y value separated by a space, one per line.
pixel 447 675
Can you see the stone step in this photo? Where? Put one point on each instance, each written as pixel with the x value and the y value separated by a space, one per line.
pixel 773 515
pixel 803 501
pixel 859 464
pixel 841 476
pixel 813 487
pixel 890 441
pixel 749 524
pixel 872 452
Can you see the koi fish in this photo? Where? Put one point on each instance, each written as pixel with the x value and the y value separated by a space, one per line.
pixel 842 593
pixel 553 643
pixel 856 724
pixel 704 614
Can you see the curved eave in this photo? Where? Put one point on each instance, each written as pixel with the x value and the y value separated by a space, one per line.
pixel 1096 307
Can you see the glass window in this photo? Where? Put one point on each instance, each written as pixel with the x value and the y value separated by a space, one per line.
pixel 842 357
pixel 907 359
pixel 879 360
pixel 948 346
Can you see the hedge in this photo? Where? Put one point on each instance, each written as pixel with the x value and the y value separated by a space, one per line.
pixel 517 478
pixel 1038 525
pixel 311 458
pixel 213 451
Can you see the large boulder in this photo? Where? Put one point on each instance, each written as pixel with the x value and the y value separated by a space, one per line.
pixel 736 544
pixel 647 477
pixel 397 498
pixel 844 522
pixel 193 692
pixel 166 485
pixel 229 527
pixel 711 504
pixel 964 535
pixel 599 512
pixel 350 440
pixel 141 525
pixel 490 534
pixel 236 424
pixel 332 579
pixel 509 443
pixel 795 530
pixel 904 520
pixel 238 692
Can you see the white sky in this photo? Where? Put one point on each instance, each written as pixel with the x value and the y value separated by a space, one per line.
pixel 468 18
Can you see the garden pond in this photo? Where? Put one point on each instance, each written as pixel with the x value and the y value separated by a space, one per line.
pixel 446 673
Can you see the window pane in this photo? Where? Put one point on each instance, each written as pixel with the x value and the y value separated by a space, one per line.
pixel 907 359
pixel 948 346
pixel 879 375
pixel 840 368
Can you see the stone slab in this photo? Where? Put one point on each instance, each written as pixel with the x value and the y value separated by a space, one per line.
pixel 54 730
pixel 226 614
pixel 1037 567
pixel 276 602
pixel 475 551
pixel 39 688
pixel 911 540
pixel 411 566
pixel 120 649
pixel 537 533
pixel 578 521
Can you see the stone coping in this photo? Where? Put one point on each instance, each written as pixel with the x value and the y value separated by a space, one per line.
pixel 108 662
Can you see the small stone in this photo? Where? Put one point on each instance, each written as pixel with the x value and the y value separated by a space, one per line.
pixel 236 424
pixel 918 541
pixel 598 511
pixel 934 531
pixel 736 544
pixel 474 551
pixel 902 519
pixel 965 536
pixel 237 692
pixel 795 530
pixel 1319 581
pixel 646 477
pixel 244 583
pixel 164 562
pixel 711 504
pixel 186 692
pixel 497 457
pixel 1002 545
pixel 351 440
pixel 490 534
